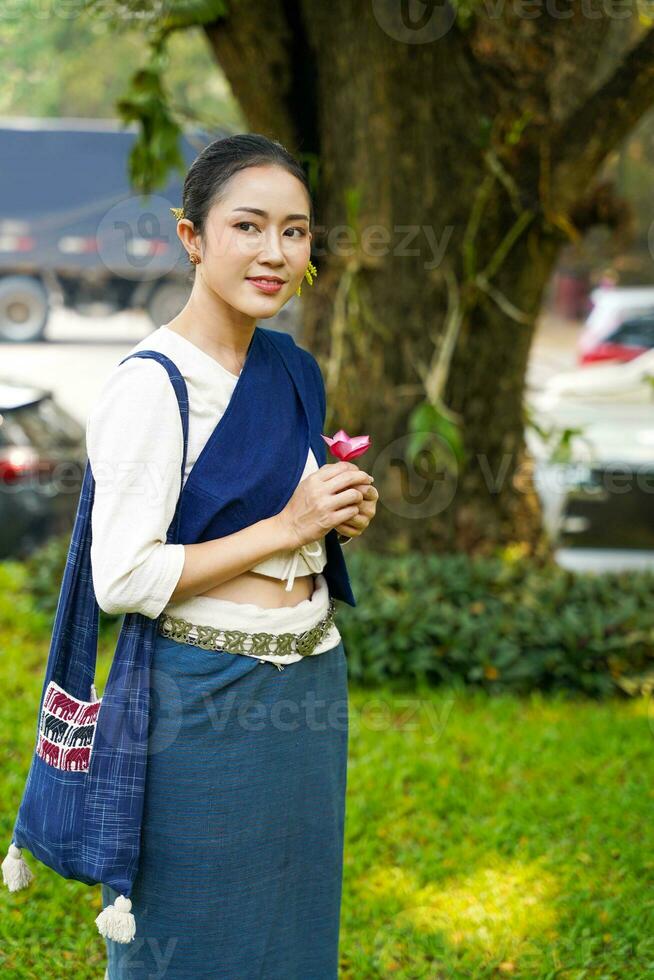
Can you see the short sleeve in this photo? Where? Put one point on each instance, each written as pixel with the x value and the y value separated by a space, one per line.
pixel 135 445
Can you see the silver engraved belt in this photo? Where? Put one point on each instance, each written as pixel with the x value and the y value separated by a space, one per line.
pixel 251 644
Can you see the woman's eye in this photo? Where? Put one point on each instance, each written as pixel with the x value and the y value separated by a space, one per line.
pixel 250 224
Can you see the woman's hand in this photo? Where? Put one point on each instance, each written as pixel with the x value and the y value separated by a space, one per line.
pixel 327 498
pixel 367 508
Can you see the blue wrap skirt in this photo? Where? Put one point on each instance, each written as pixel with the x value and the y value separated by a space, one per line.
pixel 241 861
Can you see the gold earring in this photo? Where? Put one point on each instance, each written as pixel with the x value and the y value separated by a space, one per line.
pixel 194 258
pixel 309 275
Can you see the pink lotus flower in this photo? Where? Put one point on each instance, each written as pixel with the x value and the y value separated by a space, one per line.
pixel 347 447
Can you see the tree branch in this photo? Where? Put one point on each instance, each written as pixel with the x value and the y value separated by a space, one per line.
pixel 591 132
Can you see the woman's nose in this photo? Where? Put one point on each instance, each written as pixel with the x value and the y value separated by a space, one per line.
pixel 272 250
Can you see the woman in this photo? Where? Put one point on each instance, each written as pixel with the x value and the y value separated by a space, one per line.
pixel 240 866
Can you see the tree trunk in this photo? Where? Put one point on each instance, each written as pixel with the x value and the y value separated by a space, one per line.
pixel 438 184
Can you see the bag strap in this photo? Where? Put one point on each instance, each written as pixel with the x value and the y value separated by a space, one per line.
pixel 181 391
pixel 74 643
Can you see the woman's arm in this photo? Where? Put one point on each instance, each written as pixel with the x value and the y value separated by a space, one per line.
pixel 208 563
pixel 135 443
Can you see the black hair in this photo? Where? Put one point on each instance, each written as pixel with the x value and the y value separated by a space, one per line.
pixel 205 181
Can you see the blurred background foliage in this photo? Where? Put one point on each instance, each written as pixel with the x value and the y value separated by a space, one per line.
pixel 89 80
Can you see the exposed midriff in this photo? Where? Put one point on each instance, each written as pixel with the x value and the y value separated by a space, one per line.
pixel 263 590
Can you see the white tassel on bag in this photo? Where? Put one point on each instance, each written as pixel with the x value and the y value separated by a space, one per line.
pixel 117 922
pixel 16 873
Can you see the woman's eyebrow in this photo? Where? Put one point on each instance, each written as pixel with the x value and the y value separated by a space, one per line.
pixel 264 214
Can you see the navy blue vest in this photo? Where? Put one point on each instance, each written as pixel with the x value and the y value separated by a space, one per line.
pixel 252 461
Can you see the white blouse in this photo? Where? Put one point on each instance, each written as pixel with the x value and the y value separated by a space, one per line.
pixel 135 445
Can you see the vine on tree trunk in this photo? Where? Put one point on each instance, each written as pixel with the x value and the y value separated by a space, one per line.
pixel 354 326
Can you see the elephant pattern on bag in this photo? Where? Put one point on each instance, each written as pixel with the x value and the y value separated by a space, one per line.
pixel 54 728
pixel 66 730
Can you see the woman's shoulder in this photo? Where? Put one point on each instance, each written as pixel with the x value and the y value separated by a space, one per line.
pixel 162 342
pixel 139 375
pixel 136 378
pixel 136 400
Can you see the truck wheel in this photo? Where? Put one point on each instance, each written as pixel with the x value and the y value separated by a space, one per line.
pixel 24 309
pixel 166 300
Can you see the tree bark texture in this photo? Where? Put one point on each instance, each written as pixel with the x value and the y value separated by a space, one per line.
pixel 449 170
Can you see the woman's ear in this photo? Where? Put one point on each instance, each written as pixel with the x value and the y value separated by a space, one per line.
pixel 187 235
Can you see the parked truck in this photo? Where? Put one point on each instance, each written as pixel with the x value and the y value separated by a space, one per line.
pixel 73 232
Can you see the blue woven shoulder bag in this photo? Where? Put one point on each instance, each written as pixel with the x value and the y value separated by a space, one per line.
pixel 82 803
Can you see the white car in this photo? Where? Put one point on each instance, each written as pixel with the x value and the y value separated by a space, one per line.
pixel 612 305
pixel 598 503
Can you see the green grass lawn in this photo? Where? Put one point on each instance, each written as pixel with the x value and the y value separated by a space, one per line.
pixel 498 837
pixel 486 837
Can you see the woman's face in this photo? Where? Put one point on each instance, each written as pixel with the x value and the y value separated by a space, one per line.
pixel 260 228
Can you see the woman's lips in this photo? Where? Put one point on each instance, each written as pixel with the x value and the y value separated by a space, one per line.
pixel 266 286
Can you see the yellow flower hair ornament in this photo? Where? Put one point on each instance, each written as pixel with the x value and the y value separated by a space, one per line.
pixel 309 275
